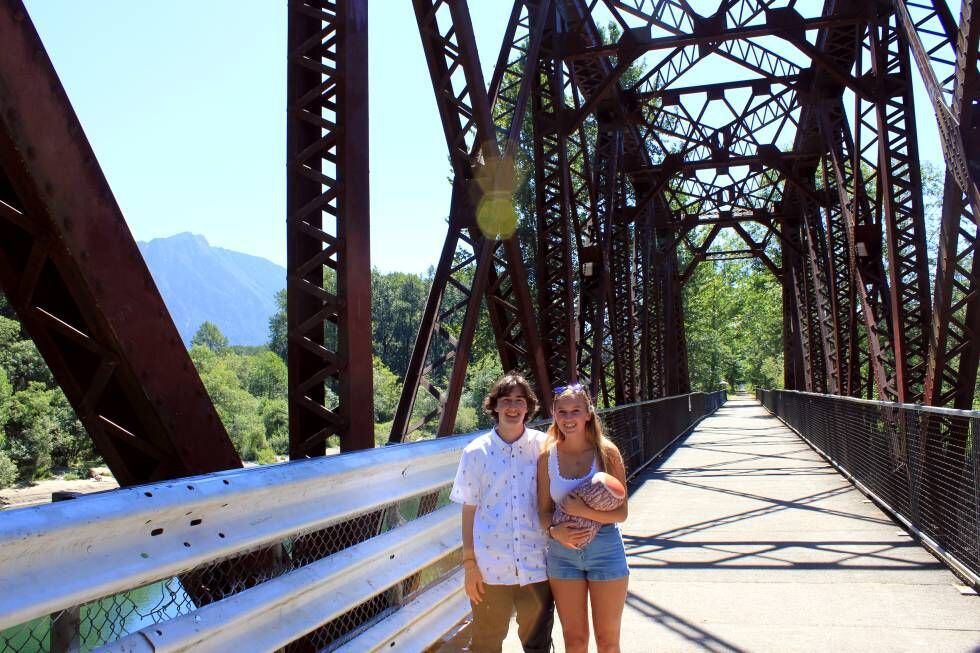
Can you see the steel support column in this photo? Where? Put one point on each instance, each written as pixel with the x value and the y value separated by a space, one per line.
pixel 553 181
pixel 954 347
pixel 328 291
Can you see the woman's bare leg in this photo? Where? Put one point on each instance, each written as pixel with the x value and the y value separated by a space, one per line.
pixel 608 597
pixel 573 611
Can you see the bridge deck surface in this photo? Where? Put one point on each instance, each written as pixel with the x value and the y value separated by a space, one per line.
pixel 745 539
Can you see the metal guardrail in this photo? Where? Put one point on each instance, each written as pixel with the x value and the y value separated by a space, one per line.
pixel 327 552
pixel 921 464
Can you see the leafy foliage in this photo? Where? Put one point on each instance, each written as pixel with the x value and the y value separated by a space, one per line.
pixel 210 336
pixel 733 322
pixel 733 316
pixel 38 428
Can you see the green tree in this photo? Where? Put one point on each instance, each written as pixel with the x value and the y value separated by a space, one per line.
pixel 30 429
pixel 387 390
pixel 20 358
pixel 481 376
pixel 266 375
pixel 70 442
pixel 8 470
pixel 6 392
pixel 238 409
pixel 6 310
pixel 277 327
pixel 275 418
pixel 733 322
pixel 397 302
pixel 210 336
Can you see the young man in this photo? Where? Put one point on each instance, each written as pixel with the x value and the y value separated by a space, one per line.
pixel 503 544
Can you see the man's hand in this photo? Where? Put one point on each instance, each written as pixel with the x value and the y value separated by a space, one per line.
pixel 474 581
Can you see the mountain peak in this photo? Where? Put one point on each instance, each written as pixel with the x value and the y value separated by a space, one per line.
pixel 183 239
pixel 198 282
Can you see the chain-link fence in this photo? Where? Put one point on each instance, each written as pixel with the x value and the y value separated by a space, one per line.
pixel 644 430
pixel 922 463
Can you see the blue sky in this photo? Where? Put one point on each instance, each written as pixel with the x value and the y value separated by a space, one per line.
pixel 184 104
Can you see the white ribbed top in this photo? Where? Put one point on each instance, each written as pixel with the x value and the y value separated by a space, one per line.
pixel 561 486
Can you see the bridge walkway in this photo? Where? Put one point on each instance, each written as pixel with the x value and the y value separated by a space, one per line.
pixel 745 539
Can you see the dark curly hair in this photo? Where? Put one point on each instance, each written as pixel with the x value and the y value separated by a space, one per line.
pixel 504 386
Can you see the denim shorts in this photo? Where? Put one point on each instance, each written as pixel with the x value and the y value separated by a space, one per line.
pixel 604 558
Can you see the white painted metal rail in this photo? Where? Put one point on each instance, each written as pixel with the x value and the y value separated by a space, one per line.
pixel 60 555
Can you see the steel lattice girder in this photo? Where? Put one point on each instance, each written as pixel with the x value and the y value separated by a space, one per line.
pixel 595 79
pixel 72 271
pixel 553 199
pixel 327 223
pixel 468 114
pixel 954 346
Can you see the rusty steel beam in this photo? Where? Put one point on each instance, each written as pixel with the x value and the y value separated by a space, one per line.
pixel 782 23
pixel 819 265
pixel 622 300
pixel 494 268
pixel 73 273
pixel 954 345
pixel 898 185
pixel 553 198
pixel 794 377
pixel 678 380
pixel 594 256
pixel 591 79
pixel 948 50
pixel 843 174
pixel 328 290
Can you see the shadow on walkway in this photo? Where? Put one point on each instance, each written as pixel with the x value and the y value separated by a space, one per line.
pixel 744 539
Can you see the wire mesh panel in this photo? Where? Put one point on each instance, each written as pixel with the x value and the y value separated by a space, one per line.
pixel 921 462
pixel 642 431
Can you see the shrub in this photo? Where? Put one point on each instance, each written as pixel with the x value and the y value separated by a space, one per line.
pixel 8 470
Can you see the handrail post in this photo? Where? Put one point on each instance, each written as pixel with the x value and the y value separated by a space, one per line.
pixel 66 625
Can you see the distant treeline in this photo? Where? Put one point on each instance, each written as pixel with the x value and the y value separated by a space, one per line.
pixel 733 322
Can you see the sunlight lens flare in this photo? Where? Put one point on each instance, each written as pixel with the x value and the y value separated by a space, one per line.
pixel 495 212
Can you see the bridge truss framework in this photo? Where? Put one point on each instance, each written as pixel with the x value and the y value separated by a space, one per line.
pixel 808 154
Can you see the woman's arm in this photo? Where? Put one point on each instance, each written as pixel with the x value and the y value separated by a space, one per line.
pixel 565 533
pixel 575 506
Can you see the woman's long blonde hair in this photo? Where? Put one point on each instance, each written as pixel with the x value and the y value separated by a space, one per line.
pixel 593 428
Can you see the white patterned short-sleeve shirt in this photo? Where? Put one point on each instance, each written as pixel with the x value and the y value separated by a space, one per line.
pixel 500 479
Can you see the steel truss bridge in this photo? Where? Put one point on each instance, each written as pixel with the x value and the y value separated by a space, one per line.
pixel 808 154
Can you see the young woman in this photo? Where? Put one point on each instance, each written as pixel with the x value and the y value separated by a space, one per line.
pixel 596 572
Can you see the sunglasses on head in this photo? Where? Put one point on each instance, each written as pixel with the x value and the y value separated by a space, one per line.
pixel 574 387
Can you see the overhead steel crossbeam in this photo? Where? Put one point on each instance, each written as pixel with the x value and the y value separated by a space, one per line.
pixel 328 291
pixel 73 273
